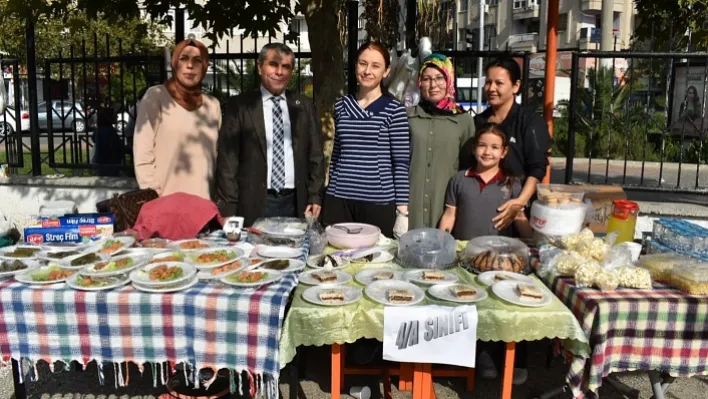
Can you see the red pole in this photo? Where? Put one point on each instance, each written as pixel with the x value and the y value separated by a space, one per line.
pixel 551 57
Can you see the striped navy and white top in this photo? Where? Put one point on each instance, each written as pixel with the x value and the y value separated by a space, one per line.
pixel 371 153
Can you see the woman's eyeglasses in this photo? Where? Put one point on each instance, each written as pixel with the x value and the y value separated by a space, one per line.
pixel 428 80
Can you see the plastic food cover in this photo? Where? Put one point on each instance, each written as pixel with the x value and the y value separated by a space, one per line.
pixel 489 253
pixel 427 249
pixel 285 231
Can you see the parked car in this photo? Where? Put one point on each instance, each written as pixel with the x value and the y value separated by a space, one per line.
pixel 66 115
pixel 8 125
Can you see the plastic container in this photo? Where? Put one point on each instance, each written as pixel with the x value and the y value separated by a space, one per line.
pixel 555 195
pixel 489 253
pixel 660 265
pixel 427 249
pixel 557 220
pixel 359 235
pixel 681 235
pixel 57 208
pixel 623 220
pixel 691 278
pixel 284 231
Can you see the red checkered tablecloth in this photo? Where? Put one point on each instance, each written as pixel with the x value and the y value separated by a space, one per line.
pixel 660 329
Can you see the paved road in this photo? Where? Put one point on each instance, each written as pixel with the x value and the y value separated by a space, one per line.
pixel 84 385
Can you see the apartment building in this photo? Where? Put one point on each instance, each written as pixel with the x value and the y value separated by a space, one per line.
pixel 520 25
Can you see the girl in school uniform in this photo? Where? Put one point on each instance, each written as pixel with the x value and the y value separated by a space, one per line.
pixel 474 196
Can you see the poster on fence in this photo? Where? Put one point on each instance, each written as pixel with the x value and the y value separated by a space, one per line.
pixel 688 114
pixel 431 334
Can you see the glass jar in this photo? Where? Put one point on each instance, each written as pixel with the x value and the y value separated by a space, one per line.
pixel 623 220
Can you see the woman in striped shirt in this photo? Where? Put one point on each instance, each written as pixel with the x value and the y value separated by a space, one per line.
pixel 368 176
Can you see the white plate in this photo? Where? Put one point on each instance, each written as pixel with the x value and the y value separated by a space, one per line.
pixel 175 245
pixel 442 291
pixel 206 274
pixel 366 276
pixel 295 265
pixel 312 262
pixel 507 291
pixel 416 276
pixel 377 291
pixel 382 256
pixel 66 262
pixel 279 252
pixel 26 278
pixel 126 242
pixel 488 278
pixel 46 255
pixel 309 279
pixel 163 255
pixel 167 288
pixel 351 294
pixel 114 282
pixel 141 275
pixel 4 251
pixel 138 261
pixel 31 264
pixel 69 246
pixel 233 255
pixel 149 252
pixel 273 276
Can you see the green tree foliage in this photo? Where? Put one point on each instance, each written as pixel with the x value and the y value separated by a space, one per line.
pixel 663 24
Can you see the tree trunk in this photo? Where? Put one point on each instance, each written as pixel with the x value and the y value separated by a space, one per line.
pixel 327 62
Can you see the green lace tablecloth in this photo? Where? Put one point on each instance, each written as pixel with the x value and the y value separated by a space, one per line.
pixel 308 324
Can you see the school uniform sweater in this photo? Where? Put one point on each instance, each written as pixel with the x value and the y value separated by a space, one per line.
pixel 371 153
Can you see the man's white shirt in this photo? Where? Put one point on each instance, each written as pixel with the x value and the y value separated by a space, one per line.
pixel 287 141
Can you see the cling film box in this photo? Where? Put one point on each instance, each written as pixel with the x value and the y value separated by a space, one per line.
pixel 77 228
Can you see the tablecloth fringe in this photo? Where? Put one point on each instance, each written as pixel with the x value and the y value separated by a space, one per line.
pixel 258 384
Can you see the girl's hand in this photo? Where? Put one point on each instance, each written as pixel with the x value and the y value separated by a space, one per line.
pixel 507 213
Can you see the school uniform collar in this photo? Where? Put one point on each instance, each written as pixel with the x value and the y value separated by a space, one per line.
pixel 482 184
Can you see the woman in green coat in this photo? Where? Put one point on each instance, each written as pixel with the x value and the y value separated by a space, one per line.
pixel 439 128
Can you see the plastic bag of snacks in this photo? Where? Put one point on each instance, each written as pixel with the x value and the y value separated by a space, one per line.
pixel 607 280
pixel 318 237
pixel 585 274
pixel 634 277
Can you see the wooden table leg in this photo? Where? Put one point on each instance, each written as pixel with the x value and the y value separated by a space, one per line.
pixel 20 388
pixel 386 377
pixel 405 380
pixel 417 381
pixel 337 382
pixel 470 380
pixel 426 382
pixel 508 377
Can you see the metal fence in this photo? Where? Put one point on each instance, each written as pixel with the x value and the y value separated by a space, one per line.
pixel 14 119
pixel 636 119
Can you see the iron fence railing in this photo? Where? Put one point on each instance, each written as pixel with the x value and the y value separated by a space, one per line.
pixel 636 119
pixel 13 118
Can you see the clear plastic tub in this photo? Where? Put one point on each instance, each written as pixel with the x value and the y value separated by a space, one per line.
pixel 691 278
pixel 427 249
pixel 660 265
pixel 559 194
pixel 284 231
pixel 681 235
pixel 489 253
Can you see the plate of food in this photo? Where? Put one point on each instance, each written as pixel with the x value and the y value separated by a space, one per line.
pixel 368 276
pixel 332 295
pixel 82 260
pixel 19 252
pixel 327 262
pixel 489 278
pixel 371 255
pixel 319 277
pixel 252 278
pixel 223 270
pixel 114 266
pixel 154 243
pixel 10 267
pixel 162 273
pixel 460 293
pixel 522 294
pixel 54 255
pixel 189 245
pixel 268 251
pixel 281 265
pixel 165 288
pixel 213 257
pixel 50 274
pixel 394 293
pixel 112 245
pixel 62 247
pixel 86 283
pixel 174 256
pixel 429 277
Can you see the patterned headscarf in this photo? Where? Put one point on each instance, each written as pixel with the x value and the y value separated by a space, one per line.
pixel 447 105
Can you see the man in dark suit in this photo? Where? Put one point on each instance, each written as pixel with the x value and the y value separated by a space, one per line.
pixel 270 158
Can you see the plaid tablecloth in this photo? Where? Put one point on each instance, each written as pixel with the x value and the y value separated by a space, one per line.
pixel 208 325
pixel 660 329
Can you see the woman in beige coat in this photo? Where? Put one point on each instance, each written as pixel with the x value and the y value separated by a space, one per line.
pixel 439 129
pixel 177 129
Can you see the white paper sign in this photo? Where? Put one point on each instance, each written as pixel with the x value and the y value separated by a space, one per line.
pixel 431 334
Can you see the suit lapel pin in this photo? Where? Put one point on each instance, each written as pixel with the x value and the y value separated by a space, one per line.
pixel 297 102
